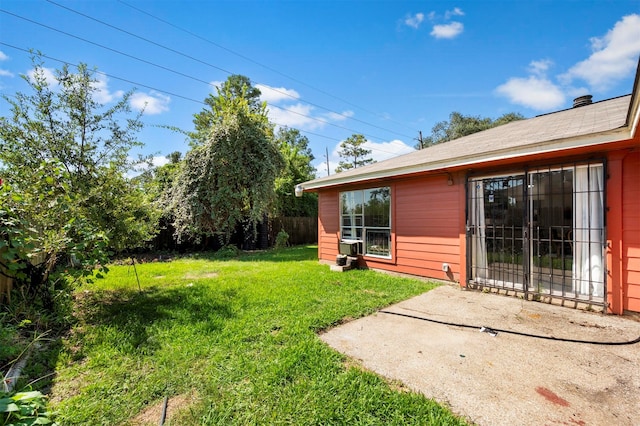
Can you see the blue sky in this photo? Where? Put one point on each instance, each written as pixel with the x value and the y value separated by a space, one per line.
pixel 386 69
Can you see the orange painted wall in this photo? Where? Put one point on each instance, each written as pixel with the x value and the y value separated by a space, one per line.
pixel 328 225
pixel 426 216
pixel 631 231
pixel 427 227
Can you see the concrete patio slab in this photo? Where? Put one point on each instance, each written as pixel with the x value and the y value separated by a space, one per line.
pixel 512 377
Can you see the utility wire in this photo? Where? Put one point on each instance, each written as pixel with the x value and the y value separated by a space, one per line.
pixel 107 75
pixel 147 87
pixel 119 52
pixel 196 79
pixel 246 58
pixel 216 67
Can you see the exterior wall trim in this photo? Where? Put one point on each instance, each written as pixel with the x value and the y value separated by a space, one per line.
pixel 601 139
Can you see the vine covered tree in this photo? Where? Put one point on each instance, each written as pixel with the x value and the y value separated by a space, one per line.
pixel 228 177
pixel 64 158
pixel 236 86
pixel 462 125
pixel 353 153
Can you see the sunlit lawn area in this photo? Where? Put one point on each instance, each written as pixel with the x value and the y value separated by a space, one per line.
pixel 232 342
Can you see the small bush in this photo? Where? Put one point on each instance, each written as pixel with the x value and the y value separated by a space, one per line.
pixel 227 252
pixel 282 239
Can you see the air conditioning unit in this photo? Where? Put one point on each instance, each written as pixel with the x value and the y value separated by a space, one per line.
pixel 350 248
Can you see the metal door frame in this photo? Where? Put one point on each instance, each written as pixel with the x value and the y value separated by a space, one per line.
pixel 527 237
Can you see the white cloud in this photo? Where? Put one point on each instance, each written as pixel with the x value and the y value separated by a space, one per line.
pixel 415 20
pixel 159 160
pixel 297 116
pixel 303 117
pixel 380 151
pixel 574 92
pixel 142 166
pixel 450 30
pixel 540 67
pixel 276 94
pixel 334 116
pixel 47 73
pixel 535 92
pixel 152 103
pixel 102 94
pixel 614 56
pixel 455 12
pixel 285 110
pixel 3 56
pixel 5 73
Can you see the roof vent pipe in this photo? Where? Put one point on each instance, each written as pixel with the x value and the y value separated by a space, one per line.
pixel 582 101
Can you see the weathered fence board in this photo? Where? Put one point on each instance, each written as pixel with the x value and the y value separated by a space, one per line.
pixel 6 285
pixel 301 230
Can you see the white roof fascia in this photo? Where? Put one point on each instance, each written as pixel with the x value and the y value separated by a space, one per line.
pixel 635 118
pixel 617 135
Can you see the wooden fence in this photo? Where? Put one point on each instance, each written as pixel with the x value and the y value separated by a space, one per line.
pixel 6 285
pixel 301 230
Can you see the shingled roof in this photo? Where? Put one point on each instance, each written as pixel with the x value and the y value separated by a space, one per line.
pixel 597 123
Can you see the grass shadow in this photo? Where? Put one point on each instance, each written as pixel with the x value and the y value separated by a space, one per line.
pixel 128 315
pixel 289 254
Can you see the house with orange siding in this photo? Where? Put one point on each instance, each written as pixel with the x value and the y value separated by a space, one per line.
pixel 546 208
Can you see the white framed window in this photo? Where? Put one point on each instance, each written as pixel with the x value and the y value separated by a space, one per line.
pixel 366 219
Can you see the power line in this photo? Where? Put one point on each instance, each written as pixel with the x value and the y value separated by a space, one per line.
pixel 196 79
pixel 146 87
pixel 189 76
pixel 161 67
pixel 226 71
pixel 119 52
pixel 185 75
pixel 169 70
pixel 240 55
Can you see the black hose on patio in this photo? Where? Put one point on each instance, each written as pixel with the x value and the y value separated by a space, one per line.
pixel 496 330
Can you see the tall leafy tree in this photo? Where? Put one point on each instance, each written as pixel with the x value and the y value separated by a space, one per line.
pixel 156 180
pixel 64 158
pixel 297 156
pixel 236 86
pixel 228 176
pixel 460 125
pixel 353 153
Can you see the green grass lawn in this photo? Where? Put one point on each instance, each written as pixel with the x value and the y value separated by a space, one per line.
pixel 232 342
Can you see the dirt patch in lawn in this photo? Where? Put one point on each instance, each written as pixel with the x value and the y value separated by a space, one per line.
pixel 192 276
pixel 152 415
pixel 526 366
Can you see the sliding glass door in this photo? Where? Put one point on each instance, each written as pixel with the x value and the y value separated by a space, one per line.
pixel 496 231
pixel 539 232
